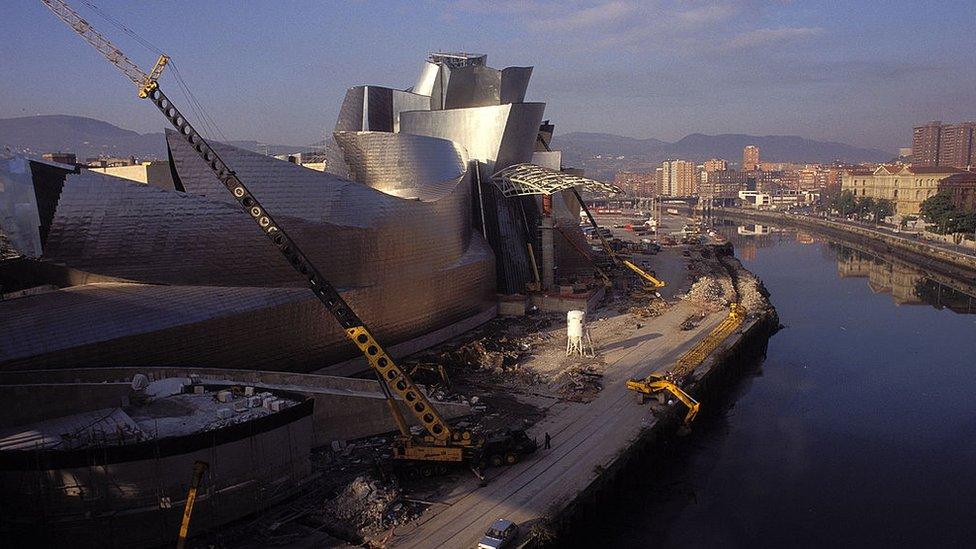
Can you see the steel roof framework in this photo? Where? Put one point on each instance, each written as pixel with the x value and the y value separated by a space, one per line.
pixel 530 179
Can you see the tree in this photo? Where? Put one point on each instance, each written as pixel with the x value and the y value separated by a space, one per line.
pixel 865 206
pixel 844 203
pixel 938 209
pixel 882 209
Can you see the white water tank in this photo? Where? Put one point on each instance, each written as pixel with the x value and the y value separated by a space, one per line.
pixel 574 324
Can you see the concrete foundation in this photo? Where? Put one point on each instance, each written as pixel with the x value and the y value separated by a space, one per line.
pixel 561 303
pixel 345 408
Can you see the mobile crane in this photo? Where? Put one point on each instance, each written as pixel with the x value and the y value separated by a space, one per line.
pixel 440 442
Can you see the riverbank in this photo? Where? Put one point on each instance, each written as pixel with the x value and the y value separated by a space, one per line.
pixel 596 444
pixel 827 441
pixel 946 261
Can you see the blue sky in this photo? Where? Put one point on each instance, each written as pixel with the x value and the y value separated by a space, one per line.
pixel 852 71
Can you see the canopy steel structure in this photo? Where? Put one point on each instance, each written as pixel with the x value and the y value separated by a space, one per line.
pixel 530 179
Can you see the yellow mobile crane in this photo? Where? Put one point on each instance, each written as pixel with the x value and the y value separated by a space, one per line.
pixel 440 442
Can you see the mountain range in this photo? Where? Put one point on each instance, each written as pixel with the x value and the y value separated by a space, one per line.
pixel 88 138
pixel 601 154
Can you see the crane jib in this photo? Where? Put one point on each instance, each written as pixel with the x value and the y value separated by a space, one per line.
pixel 391 376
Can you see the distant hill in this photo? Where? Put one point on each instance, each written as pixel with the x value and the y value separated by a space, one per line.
pixel 599 153
pixel 87 137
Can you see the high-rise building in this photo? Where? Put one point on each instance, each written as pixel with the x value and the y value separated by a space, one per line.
pixel 750 158
pixel 677 178
pixel 716 165
pixel 944 145
pixel 925 144
pixel 956 144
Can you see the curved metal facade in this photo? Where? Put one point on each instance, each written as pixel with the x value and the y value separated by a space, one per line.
pixel 404 165
pixel 405 242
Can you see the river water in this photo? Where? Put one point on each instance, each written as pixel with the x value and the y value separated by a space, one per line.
pixel 858 428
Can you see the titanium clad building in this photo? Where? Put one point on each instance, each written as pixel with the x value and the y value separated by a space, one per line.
pixel 416 238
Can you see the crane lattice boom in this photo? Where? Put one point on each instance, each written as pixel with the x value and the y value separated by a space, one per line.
pixel 145 82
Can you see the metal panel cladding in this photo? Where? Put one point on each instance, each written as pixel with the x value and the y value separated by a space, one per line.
pixel 375 108
pixel 404 165
pixel 499 135
pixel 409 266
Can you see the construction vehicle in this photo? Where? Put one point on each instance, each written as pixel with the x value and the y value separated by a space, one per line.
pixel 199 468
pixel 658 384
pixel 439 442
pixel 648 279
pixel 669 381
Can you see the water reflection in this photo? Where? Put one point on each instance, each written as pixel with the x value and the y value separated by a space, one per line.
pixel 906 283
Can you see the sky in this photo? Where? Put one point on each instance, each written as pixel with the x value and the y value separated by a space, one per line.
pixel 852 71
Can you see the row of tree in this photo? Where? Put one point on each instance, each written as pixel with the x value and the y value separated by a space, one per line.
pixel 942 213
pixel 865 207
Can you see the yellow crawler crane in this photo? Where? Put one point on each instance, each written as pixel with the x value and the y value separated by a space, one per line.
pixel 669 381
pixel 697 354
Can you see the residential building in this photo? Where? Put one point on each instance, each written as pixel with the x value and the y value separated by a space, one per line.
pixel 677 178
pixel 715 165
pixel 925 144
pixel 948 145
pixel 723 183
pixel 642 184
pixel 750 158
pixel 962 188
pixel 956 145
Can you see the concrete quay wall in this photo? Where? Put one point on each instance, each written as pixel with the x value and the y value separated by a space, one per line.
pixel 724 366
pixel 911 247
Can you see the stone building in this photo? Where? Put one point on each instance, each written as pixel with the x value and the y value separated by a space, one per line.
pixel 906 186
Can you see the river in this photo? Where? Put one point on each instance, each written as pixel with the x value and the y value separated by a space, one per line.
pixel 858 428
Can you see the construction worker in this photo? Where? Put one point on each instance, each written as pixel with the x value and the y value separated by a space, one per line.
pixel 548 443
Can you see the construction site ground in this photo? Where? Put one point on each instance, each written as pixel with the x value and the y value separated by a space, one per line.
pixel 515 373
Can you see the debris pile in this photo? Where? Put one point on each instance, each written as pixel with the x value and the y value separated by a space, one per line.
pixel 581 383
pixel 369 507
pixel 707 290
pixel 692 321
pixel 752 294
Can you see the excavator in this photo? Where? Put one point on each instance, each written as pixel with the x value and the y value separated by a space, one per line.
pixel 669 381
pixel 439 443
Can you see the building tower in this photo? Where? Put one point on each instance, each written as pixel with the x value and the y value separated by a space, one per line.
pixel 925 144
pixel 956 144
pixel 750 158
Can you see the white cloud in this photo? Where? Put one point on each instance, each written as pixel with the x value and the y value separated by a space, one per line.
pixel 594 16
pixel 762 37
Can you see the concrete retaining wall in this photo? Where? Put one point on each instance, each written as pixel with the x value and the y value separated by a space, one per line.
pixel 896 243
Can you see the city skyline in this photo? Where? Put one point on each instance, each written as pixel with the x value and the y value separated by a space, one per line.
pixel 752 67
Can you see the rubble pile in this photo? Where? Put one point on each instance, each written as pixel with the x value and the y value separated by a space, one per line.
pixel 752 294
pixel 707 290
pixel 501 346
pixel 581 383
pixel 369 506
